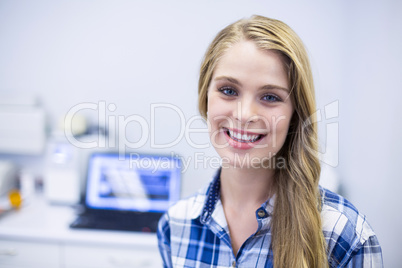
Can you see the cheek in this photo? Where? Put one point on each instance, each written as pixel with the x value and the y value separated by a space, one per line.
pixel 284 123
pixel 285 117
pixel 279 126
pixel 216 108
pixel 211 113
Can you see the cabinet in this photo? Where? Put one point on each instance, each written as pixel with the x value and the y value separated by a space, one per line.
pixel 29 254
pixel 38 236
pixel 103 257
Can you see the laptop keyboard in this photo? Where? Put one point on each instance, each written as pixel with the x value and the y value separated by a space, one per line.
pixel 139 222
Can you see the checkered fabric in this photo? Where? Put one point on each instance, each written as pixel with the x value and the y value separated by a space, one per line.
pixel 194 233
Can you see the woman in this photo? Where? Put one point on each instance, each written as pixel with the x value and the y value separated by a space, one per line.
pixel 264 208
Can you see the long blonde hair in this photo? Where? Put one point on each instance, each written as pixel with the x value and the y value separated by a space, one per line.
pixel 297 238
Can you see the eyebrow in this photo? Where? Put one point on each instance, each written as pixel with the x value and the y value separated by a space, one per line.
pixel 236 82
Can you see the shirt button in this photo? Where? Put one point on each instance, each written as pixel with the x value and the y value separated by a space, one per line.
pixel 234 264
pixel 261 213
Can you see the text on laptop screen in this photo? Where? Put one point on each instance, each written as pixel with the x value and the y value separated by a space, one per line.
pixel 146 183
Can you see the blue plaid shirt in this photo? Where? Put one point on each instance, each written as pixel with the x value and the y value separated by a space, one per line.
pixel 194 233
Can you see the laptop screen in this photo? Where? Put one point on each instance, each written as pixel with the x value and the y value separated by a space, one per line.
pixel 132 182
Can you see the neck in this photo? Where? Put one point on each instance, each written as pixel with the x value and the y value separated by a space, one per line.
pixel 246 187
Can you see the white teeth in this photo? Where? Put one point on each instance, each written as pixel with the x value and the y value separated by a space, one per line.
pixel 244 137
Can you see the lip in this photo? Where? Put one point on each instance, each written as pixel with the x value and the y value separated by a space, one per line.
pixel 242 145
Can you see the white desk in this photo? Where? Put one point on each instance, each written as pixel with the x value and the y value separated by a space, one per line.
pixel 38 235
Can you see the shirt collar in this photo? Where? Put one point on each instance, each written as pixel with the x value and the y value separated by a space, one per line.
pixel 213 195
pixel 206 196
pixel 207 199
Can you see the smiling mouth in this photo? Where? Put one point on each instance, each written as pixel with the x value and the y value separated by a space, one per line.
pixel 243 137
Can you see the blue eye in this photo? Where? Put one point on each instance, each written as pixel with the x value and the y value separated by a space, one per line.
pixel 228 91
pixel 271 98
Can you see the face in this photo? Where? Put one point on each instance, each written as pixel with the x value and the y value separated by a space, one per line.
pixel 249 107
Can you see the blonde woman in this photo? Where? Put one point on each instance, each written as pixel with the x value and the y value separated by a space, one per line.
pixel 264 207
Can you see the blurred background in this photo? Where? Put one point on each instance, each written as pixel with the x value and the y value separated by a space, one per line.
pixel 122 76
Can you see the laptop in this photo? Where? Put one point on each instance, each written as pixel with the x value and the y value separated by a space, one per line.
pixel 128 192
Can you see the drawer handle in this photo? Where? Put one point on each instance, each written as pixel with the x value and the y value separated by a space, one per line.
pixel 8 252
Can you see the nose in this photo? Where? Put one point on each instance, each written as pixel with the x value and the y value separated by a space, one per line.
pixel 246 112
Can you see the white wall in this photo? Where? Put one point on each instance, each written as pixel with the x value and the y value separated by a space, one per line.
pixel 371 149
pixel 134 53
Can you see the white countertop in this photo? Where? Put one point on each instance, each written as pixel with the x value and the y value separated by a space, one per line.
pixel 39 221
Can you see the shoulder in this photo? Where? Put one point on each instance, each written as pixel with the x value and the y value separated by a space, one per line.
pixel 185 209
pixel 345 229
pixel 338 213
pixel 190 207
pixel 179 221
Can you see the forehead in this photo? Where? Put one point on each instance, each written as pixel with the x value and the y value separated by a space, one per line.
pixel 245 61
